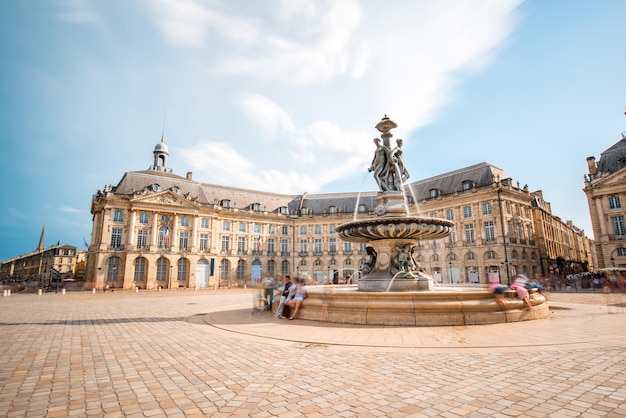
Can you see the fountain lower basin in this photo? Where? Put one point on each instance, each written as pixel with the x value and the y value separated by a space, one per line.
pixel 442 306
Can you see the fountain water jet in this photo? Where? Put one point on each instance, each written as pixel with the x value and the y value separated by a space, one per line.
pixel 393 289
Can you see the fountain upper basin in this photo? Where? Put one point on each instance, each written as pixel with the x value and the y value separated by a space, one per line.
pixel 397 227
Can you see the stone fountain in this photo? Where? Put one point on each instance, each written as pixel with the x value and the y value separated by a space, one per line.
pixel 392 288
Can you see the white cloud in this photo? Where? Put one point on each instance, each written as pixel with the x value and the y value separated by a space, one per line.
pixel 267 116
pixel 69 209
pixel 76 11
pixel 404 60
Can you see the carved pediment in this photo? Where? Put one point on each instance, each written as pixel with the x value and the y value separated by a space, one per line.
pixel 164 198
pixel 617 178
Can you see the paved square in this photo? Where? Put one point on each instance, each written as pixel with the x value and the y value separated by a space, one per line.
pixel 204 353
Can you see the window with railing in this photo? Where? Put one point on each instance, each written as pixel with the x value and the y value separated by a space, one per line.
pixel 225 243
pixel 270 246
pixel 284 246
pixel 490 234
pixel 332 245
pixel 183 241
pixel 617 222
pixel 317 246
pixel 116 238
pixel 142 238
pixel 486 208
pixel 241 245
pixel 204 242
pixel 469 233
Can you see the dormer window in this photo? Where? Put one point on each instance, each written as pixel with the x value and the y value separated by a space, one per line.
pixel 256 207
pixel 175 189
pixel 304 211
pixel 225 203
pixel 434 193
pixel 332 209
pixel 467 184
pixel 283 210
pixel 154 187
pixel 362 208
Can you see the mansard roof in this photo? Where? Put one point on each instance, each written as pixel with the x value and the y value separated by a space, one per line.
pixel 479 175
pixel 614 158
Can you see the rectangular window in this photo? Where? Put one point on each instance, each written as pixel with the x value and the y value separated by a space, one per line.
pixel 285 230
pixel 347 247
pixel 318 246
pixel 204 242
pixel 621 252
pixel 332 244
pixel 304 245
pixel 242 227
pixel 204 223
pixel 183 241
pixel 225 226
pixel 272 229
pixel 143 218
pixel 331 229
pixel 257 228
pixel 617 222
pixel 116 238
pixel 318 230
pixel 486 208
pixel 184 221
pixel 225 243
pixel 140 269
pixel 241 245
pixel 614 202
pixel 142 238
pixel 303 230
pixel 467 211
pixel 450 215
pixel 469 233
pixel 284 246
pixel 489 231
pixel 118 216
pixel 270 245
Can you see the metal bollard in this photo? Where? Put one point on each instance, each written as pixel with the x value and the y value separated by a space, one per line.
pixel 39 292
pixel 62 291
pixel 136 289
pixel 93 290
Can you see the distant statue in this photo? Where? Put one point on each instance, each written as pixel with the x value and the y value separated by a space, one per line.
pixel 388 166
pixel 398 170
pixel 380 165
pixel 368 265
pixel 403 260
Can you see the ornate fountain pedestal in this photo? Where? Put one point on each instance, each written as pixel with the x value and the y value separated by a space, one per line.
pixel 392 237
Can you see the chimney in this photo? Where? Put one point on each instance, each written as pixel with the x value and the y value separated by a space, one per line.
pixel 591 163
pixel 189 175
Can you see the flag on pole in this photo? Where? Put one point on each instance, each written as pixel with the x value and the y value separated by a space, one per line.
pixel 166 238
pixel 85 243
pixel 259 242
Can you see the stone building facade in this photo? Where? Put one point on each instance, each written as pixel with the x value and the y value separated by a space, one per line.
pixel 605 187
pixel 157 229
pixel 46 265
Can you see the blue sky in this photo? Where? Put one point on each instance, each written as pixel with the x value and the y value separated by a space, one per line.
pixel 283 96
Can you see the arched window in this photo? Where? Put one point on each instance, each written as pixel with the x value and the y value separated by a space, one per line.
pixel 224 268
pixel 113 269
pixel 241 269
pixel 183 270
pixel 140 269
pixel 271 267
pixel 161 269
pixel 285 267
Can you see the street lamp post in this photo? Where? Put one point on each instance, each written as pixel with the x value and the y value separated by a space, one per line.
pixel 170 281
pixel 506 255
pixel 613 261
pixel 450 271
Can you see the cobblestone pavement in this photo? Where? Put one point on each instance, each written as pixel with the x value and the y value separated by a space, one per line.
pixel 205 353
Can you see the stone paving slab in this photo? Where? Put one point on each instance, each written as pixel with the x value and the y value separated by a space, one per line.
pixel 186 354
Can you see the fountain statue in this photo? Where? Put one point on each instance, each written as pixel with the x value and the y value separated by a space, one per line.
pixel 392 288
pixel 393 234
